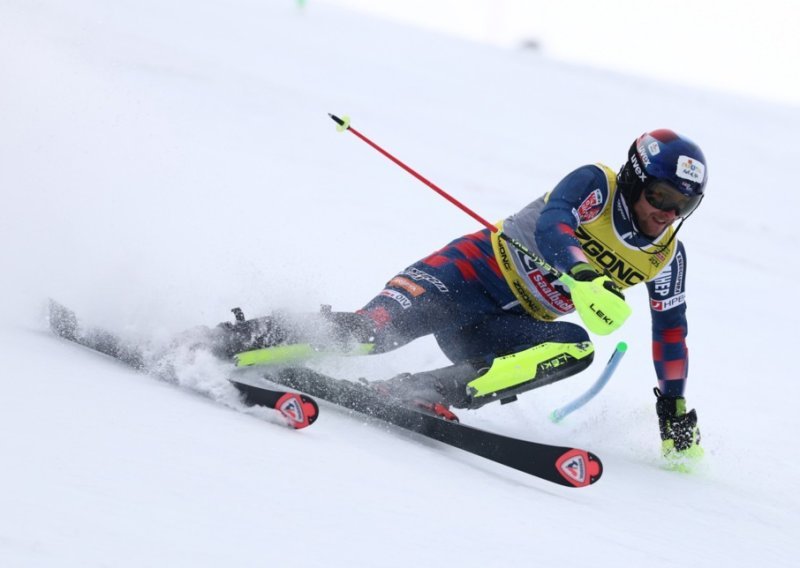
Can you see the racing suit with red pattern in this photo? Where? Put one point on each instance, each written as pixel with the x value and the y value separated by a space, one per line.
pixel 483 301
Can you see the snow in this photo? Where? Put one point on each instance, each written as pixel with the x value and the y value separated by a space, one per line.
pixel 163 162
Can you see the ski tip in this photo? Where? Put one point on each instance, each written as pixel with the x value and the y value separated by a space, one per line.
pixel 579 468
pixel 299 410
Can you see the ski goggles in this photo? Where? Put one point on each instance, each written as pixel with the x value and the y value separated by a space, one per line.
pixel 665 197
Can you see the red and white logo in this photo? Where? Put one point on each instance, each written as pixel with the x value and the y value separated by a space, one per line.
pixel 578 468
pixel 292 409
pixel 397 297
pixel 574 469
pixel 557 300
pixel 667 303
pixel 299 410
pixel 591 206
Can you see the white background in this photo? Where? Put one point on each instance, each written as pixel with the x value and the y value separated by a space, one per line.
pixel 730 45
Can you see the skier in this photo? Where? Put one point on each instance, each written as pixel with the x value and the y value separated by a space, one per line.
pixel 493 311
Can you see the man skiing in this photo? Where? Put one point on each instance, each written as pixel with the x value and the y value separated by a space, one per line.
pixel 493 310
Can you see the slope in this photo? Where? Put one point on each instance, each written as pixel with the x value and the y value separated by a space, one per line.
pixel 162 163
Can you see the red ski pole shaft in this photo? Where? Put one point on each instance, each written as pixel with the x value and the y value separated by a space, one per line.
pixel 344 124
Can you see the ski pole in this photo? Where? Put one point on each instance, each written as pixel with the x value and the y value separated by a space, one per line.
pixel 560 413
pixel 344 125
pixel 583 294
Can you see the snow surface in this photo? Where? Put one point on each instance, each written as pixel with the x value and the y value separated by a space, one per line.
pixel 163 162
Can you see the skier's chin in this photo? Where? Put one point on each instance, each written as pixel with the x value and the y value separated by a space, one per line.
pixel 652 227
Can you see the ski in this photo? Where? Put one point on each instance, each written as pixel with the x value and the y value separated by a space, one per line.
pixel 570 467
pixel 299 410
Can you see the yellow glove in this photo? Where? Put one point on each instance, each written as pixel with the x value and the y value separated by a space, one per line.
pixel 680 436
pixel 597 299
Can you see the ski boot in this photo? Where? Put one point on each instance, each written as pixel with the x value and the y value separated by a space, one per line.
pixel 255 341
pixel 230 338
pixel 513 374
pixel 474 384
pixel 420 391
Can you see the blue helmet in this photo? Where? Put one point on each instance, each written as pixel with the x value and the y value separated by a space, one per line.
pixel 663 157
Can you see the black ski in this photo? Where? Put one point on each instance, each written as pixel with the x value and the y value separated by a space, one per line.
pixel 299 410
pixel 571 467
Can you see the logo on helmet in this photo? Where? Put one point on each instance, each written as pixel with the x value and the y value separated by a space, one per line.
pixel 643 154
pixel 690 169
pixel 637 168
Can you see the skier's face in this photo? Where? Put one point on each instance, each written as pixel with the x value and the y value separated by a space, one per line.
pixel 651 221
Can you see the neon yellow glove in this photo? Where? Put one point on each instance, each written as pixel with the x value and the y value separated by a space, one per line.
pixel 597 299
pixel 680 436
